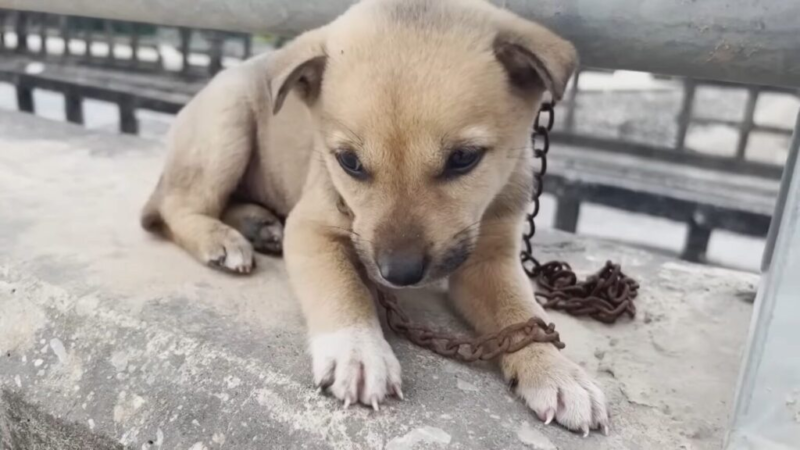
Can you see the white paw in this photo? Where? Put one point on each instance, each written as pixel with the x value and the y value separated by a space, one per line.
pixel 556 388
pixel 230 251
pixel 356 365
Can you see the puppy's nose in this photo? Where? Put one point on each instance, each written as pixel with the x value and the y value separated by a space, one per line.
pixel 404 267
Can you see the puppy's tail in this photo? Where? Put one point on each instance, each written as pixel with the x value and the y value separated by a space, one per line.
pixel 150 218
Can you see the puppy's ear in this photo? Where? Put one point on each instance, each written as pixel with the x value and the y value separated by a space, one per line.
pixel 534 57
pixel 298 66
pixel 306 79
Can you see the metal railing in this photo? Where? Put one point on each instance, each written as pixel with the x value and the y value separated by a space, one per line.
pixel 746 41
pixel 677 150
pixel 118 62
pixel 99 42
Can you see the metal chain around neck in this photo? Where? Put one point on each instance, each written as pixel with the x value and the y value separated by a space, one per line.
pixel 605 296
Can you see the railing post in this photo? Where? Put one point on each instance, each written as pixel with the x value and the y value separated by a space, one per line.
pixel 73 105
pixel 2 30
pixel 134 28
pixel 247 43
pixel 696 243
pixel 108 28
pixel 783 193
pixel 685 115
pixel 216 41
pixel 186 47
pixel 747 123
pixel 88 38
pixel 128 123
pixel 568 211
pixel 21 30
pixel 25 97
pixel 43 34
pixel 765 415
pixel 572 103
pixel 66 35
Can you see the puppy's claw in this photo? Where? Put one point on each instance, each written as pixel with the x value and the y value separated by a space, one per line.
pixel 585 431
pixel 399 393
pixel 356 365
pixel 551 414
pixel 604 428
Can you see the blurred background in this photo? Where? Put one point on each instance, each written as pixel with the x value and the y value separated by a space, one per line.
pixel 685 167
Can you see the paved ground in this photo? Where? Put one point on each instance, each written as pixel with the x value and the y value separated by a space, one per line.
pixel 111 338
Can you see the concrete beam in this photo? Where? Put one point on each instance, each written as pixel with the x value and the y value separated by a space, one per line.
pixel 748 41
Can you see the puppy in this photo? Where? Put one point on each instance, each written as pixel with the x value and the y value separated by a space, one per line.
pixel 395 142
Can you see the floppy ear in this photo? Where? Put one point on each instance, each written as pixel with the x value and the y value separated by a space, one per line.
pixel 306 79
pixel 299 66
pixel 534 57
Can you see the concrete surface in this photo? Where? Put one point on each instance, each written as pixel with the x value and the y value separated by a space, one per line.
pixel 113 339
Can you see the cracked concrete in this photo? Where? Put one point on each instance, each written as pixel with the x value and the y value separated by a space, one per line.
pixel 113 339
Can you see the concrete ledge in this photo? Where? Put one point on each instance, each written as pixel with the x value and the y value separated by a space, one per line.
pixel 113 339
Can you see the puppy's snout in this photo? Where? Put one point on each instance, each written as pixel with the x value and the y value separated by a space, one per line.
pixel 403 267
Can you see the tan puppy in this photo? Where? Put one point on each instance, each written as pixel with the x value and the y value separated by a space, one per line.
pixel 396 142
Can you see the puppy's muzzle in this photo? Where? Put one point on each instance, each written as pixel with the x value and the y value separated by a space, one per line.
pixel 403 267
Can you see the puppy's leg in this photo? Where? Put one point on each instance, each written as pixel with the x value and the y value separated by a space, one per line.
pixel 493 292
pixel 192 221
pixel 260 226
pixel 211 145
pixel 209 240
pixel 350 356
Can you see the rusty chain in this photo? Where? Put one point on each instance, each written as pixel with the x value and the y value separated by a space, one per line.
pixel 605 296
pixel 508 340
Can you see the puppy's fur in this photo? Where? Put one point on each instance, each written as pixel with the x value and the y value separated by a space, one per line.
pixel 401 84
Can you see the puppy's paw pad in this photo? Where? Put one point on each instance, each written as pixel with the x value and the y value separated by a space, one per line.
pixel 557 389
pixel 356 365
pixel 265 234
pixel 231 253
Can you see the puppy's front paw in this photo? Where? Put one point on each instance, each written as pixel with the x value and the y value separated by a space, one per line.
pixel 356 365
pixel 229 250
pixel 556 388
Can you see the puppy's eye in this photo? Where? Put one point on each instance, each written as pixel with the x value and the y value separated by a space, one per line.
pixel 463 160
pixel 351 164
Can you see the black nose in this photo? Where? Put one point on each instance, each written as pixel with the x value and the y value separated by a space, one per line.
pixel 403 268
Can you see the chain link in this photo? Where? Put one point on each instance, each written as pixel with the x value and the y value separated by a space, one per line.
pixel 529 262
pixel 605 296
pixel 508 340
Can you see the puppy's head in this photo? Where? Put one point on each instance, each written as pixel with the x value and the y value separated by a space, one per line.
pixel 423 111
